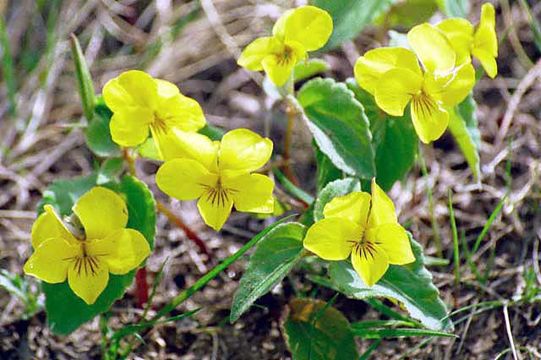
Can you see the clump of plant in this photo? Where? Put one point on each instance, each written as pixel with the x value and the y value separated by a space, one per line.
pixel 94 233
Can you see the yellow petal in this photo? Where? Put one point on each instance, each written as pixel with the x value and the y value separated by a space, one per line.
pixel 370 263
pixel 370 67
pixel 215 209
pixel 166 89
pixel 253 54
pixel 332 238
pixel 429 119
pixel 382 210
pixel 180 112
pixel 251 193
pixel 309 26
pixel 451 89
pixel 433 49
pixel 51 259
pixel 353 206
pixel 393 239
pixel 184 179
pixel 101 211
pixel 460 34
pixel 130 89
pixel 190 145
pixel 87 278
pixel 488 16
pixel 243 150
pixel 395 89
pixel 48 225
pixel 279 28
pixel 488 62
pixel 279 68
pixel 122 251
pixel 129 127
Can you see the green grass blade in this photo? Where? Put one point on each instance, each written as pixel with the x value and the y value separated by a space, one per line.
pixel 456 254
pixel 371 324
pixel 534 24
pixel 84 79
pixel 488 224
pixel 431 206
pixel 394 333
pixel 8 69
pixel 370 350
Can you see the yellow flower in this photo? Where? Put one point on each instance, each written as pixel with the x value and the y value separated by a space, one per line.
pixel 394 77
pixel 296 32
pixel 364 227
pixel 481 43
pixel 141 103
pixel 86 250
pixel 219 174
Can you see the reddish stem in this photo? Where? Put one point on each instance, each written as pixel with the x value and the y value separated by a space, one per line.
pixel 141 287
pixel 190 234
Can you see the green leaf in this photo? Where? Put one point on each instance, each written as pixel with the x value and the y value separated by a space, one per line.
pixel 98 134
pixel 464 127
pixel 65 310
pixel 408 13
pixel 202 281
pixel 393 138
pixel 212 132
pixel 19 287
pixel 141 206
pixel 350 17
pixel 149 150
pixel 455 8
pixel 84 79
pixel 274 257
pixel 110 170
pixel 62 194
pixel 326 171
pixel 332 190
pixel 339 126
pixel 316 331
pixel 307 69
pixel 380 329
pixel 410 284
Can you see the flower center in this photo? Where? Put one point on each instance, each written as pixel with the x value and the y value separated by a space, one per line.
pixel 159 125
pixel 363 246
pixel 84 263
pixel 286 56
pixel 423 104
pixel 218 195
